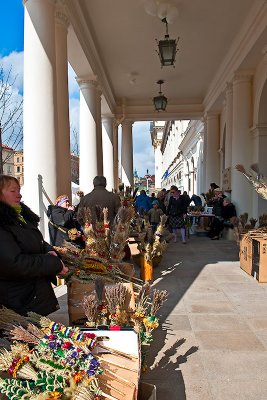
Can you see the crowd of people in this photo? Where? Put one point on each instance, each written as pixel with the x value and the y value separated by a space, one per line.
pixel 28 264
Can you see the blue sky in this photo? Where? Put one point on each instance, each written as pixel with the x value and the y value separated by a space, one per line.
pixel 11 55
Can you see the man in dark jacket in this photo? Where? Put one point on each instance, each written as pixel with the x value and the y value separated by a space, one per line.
pixel 102 197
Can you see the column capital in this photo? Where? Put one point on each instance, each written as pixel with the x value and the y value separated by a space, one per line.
pixel 61 18
pixel 211 115
pixel 242 77
pixel 127 122
pixel 89 82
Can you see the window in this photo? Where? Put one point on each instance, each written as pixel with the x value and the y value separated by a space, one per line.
pixel 18 169
pixel 9 169
pixel 17 159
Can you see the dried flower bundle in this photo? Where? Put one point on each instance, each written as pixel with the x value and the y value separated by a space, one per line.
pixel 120 232
pixel 255 178
pixel 159 296
pixel 115 297
pixel 89 305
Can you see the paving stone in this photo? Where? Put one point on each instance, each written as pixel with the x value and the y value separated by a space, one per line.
pixel 229 341
pixel 218 323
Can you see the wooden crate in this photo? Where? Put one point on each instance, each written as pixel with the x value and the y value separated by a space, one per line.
pixel 245 255
pixel 76 292
pixel 259 259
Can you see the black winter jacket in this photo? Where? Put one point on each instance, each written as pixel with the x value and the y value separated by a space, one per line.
pixel 63 218
pixel 177 206
pixel 26 270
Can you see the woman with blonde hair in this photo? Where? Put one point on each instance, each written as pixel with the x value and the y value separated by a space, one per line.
pixel 28 264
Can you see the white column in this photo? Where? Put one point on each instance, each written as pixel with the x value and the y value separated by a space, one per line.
pixel 229 125
pixel 158 164
pixel 116 156
pixel 39 115
pixel 108 162
pixel 63 133
pixel 99 144
pixel 89 129
pixel 241 142
pixel 212 150
pixel 127 153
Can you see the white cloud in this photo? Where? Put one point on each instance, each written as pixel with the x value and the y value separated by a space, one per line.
pixel 14 61
pixel 144 158
pixel 143 153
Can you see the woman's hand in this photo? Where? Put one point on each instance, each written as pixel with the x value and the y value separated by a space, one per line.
pixel 53 253
pixel 64 270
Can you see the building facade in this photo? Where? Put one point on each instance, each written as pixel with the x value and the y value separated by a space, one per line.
pixel 8 160
pixel 19 167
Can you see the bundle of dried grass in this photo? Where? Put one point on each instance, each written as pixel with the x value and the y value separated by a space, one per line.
pixel 255 178
pixel 159 297
pixel 89 305
pixel 120 233
pixel 115 297
pixel 97 243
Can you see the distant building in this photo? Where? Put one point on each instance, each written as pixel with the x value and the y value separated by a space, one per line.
pixel 146 183
pixel 8 160
pixel 19 166
pixel 14 165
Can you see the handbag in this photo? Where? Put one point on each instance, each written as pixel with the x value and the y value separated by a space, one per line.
pixel 72 233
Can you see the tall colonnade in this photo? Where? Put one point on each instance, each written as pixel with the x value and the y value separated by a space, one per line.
pixel 47 161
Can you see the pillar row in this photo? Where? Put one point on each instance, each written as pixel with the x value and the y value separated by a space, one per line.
pixel 91 157
pixel 212 149
pixel 108 159
pixel 241 141
pixel 229 125
pixel 127 153
pixel 116 155
pixel 63 131
pixel 40 105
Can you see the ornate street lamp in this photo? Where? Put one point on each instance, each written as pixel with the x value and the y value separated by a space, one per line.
pixel 160 102
pixel 167 48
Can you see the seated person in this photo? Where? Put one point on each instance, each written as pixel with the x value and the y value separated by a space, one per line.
pixel 196 200
pixel 224 220
pixel 62 223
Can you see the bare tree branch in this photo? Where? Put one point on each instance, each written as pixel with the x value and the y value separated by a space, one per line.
pixel 11 132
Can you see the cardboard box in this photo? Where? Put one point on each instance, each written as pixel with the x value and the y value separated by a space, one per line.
pixel 259 259
pixel 245 255
pixel 146 391
pixel 121 375
pixel 76 292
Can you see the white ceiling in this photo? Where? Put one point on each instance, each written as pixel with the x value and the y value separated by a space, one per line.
pixel 116 41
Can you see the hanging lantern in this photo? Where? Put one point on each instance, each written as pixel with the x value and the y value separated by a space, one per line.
pixel 167 48
pixel 160 101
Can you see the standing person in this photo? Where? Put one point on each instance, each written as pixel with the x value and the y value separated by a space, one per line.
pixel 160 199
pixel 61 221
pixel 154 215
pixel 28 264
pixel 142 203
pixel 186 198
pixel 102 197
pixel 176 212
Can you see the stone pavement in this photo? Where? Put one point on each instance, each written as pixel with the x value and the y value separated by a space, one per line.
pixel 212 344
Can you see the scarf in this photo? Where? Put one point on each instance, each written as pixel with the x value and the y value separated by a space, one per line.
pixel 18 211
